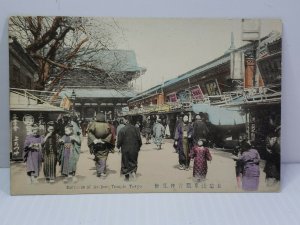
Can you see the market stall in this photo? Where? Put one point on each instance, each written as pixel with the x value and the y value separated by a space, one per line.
pixel 25 110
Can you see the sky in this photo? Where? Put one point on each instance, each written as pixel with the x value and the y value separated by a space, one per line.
pixel 170 47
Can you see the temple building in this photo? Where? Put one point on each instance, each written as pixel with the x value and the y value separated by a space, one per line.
pixel 208 82
pixel 22 68
pixel 246 80
pixel 108 90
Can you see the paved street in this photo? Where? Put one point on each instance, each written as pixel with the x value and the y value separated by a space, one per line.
pixel 157 172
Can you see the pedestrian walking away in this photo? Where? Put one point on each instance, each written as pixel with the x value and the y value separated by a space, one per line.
pixel 158 133
pixel 130 142
pixel 147 129
pixel 100 143
pixel 250 160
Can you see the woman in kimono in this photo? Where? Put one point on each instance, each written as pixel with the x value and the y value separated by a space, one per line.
pixel 50 152
pixel 250 160
pixel 147 129
pixel 69 153
pixel 100 143
pixel 158 133
pixel 32 154
pixel 201 155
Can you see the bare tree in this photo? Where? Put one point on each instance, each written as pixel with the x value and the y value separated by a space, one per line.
pixel 59 44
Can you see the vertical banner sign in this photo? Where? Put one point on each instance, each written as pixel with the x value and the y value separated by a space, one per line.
pixel 18 135
pixel 197 93
pixel 252 127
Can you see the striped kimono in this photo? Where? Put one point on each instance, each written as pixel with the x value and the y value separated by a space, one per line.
pixel 50 155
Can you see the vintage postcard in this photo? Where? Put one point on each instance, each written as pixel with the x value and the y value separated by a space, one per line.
pixel 129 105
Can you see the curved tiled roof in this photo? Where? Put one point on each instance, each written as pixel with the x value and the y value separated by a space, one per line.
pixel 218 61
pixel 98 93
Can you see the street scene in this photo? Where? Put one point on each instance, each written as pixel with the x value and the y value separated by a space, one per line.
pixel 112 105
pixel 220 176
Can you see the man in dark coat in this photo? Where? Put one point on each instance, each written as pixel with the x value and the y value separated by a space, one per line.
pixel 183 134
pixel 130 142
pixel 200 130
pixel 272 157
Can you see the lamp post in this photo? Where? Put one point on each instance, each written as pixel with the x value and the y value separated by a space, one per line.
pixel 73 98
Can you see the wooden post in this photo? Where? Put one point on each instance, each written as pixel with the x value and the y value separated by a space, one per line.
pixel 250 69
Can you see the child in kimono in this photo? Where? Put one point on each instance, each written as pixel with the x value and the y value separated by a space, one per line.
pixel 69 154
pixel 201 155
pixel 32 154
pixel 50 152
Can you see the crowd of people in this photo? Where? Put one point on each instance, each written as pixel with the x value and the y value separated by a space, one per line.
pixel 62 143
pixel 191 141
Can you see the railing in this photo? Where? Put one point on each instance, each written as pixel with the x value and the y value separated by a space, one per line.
pixel 47 97
pixel 261 95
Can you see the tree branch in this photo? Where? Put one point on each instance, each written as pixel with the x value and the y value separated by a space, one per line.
pixel 54 46
pixel 47 37
pixel 52 62
pixel 74 52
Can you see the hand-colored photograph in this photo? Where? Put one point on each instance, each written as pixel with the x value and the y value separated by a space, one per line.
pixel 139 105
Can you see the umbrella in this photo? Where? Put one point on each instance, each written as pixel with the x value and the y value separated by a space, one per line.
pixel 220 116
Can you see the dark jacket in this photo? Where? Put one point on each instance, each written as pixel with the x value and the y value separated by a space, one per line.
pixel 129 139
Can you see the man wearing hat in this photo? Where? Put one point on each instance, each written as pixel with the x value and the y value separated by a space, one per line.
pixel 99 142
pixel 158 133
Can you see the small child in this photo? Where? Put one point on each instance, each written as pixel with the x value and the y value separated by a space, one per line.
pixel 69 153
pixel 200 154
pixel 50 152
pixel 32 154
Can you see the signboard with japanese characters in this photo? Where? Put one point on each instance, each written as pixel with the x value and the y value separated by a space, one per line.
pixel 172 97
pixel 197 93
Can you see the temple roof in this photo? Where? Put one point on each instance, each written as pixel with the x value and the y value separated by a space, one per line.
pixel 110 69
pixel 98 93
pixel 118 60
pixel 216 62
